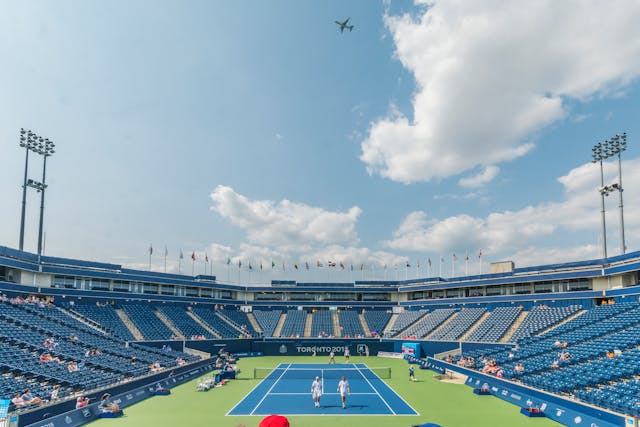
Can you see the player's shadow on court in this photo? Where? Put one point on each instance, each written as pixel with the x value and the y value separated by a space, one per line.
pixel 347 406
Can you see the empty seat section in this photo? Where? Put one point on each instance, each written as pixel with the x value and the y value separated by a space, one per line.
pixel 428 323
pixel 493 328
pixel 106 316
pixel 322 323
pixel 459 325
pixel 377 320
pixel 294 323
pixel 144 318
pixel 208 315
pixel 268 320
pixel 350 324
pixel 177 314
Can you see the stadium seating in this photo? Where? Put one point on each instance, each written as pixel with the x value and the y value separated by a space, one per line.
pixel 322 323
pixel 459 325
pixel 240 319
pixel 377 320
pixel 294 323
pixel 209 316
pixel 39 344
pixel 493 328
pixel 106 316
pixel 350 323
pixel 541 318
pixel 406 318
pixel 177 314
pixel 428 323
pixel 268 320
pixel 145 319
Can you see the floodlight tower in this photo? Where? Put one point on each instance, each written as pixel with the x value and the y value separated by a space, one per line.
pixel 28 141
pixel 617 145
pixel 46 148
pixel 599 153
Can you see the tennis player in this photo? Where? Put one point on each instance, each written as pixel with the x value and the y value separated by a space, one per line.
pixel 347 353
pixel 332 357
pixel 344 389
pixel 316 391
pixel 412 373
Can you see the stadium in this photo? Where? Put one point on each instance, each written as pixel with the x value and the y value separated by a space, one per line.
pixel 406 213
pixel 282 334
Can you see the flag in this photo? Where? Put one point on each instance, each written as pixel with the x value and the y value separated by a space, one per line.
pixel 283 269
pixel 351 267
pixel 273 265
pixel 150 249
pixel 206 257
pixel 166 251
pixel 250 266
pixel 260 265
pixel 239 264
pixel 228 261
pixel 306 265
pixel 319 264
pixel 480 254
pixel 418 264
pixel 181 254
pixel 193 256
pixel 341 265
pixel 455 258
pixel 361 267
pixel 429 261
pixel 331 264
pixel 295 265
pixel 467 258
pixel 408 265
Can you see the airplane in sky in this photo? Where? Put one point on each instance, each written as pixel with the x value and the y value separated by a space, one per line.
pixel 344 25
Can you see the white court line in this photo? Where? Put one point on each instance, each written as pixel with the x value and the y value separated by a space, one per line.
pixel 374 389
pixel 396 393
pixel 306 394
pixel 269 391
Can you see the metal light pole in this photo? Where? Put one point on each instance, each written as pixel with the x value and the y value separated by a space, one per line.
pixel 46 149
pixel 617 145
pixel 28 142
pixel 598 155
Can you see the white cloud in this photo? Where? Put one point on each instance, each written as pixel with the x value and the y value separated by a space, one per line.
pixel 481 178
pixel 518 234
pixel 490 74
pixel 287 225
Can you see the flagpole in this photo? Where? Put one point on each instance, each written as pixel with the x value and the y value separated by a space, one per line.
pixel 150 253
pixel 165 259
pixel 440 271
pixel 466 264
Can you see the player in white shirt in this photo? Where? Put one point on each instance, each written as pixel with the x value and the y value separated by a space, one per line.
pixel 316 391
pixel 347 353
pixel 344 389
pixel 332 357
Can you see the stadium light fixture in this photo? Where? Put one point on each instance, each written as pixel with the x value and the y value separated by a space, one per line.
pixel 46 149
pixel 617 145
pixel 30 141
pixel 598 153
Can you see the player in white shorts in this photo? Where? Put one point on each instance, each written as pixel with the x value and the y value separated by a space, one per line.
pixel 344 389
pixel 316 391
pixel 332 357
pixel 347 353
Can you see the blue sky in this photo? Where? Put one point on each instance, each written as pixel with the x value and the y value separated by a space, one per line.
pixel 256 131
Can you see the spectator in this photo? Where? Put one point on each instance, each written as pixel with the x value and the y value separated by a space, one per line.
pixel 18 401
pixel 82 401
pixel 106 405
pixel 30 399
pixel 54 393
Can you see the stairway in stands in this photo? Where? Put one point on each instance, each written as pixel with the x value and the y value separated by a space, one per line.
pixel 278 330
pixel 129 324
pixel 475 326
pixel 512 330
pixel 254 323
pixel 336 324
pixel 365 326
pixel 307 325
pixel 169 324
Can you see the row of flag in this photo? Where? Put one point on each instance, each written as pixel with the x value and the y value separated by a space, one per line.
pixel 318 264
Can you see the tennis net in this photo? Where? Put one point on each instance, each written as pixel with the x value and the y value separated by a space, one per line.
pixel 311 373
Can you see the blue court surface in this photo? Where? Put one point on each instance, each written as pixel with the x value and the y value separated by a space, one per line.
pixel 287 391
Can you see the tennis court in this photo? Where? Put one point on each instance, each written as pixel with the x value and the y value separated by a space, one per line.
pixel 286 390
